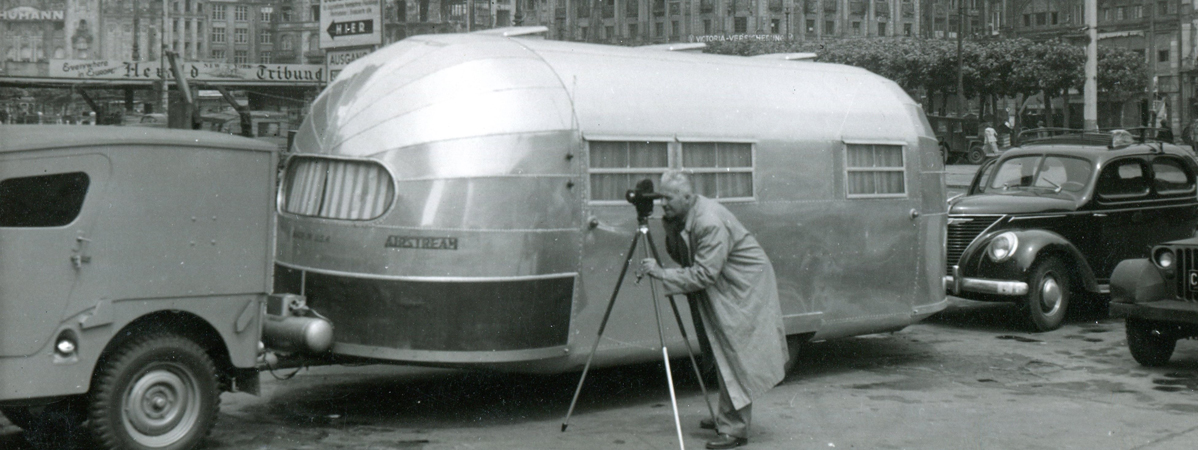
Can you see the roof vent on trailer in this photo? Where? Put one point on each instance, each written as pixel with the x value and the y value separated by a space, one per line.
pixel 676 47
pixel 515 31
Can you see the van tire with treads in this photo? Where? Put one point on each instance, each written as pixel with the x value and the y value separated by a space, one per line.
pixel 1048 294
pixel 156 391
pixel 976 155
pixel 1148 348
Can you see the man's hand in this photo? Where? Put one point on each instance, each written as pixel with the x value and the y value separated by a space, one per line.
pixel 649 267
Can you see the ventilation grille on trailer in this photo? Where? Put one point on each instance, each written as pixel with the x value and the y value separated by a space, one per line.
pixel 337 189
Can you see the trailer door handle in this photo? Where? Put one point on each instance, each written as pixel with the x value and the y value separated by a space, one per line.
pixel 914 214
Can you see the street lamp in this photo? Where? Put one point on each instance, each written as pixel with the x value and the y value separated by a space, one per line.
pixel 787 13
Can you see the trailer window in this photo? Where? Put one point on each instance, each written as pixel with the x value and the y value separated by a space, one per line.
pixel 875 171
pixel 616 166
pixel 337 189
pixel 722 170
pixel 43 200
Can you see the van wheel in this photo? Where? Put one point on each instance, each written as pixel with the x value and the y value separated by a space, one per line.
pixel 1048 295
pixel 976 155
pixel 158 391
pixel 1148 344
pixel 58 425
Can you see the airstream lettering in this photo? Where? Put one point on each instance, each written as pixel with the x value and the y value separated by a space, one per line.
pixel 472 189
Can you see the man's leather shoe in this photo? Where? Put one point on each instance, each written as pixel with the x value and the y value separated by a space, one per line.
pixel 726 441
pixel 707 424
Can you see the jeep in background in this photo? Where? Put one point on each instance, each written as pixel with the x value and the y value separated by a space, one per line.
pixel 1049 221
pixel 1159 297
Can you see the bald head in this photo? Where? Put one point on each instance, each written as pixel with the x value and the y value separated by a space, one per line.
pixel 678 193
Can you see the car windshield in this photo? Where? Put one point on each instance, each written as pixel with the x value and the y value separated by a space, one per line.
pixel 1040 175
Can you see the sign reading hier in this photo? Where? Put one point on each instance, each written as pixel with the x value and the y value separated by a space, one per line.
pixel 350 23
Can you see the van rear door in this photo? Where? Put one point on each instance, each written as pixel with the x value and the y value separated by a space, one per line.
pixel 47 206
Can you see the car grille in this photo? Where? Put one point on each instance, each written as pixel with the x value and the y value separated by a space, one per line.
pixel 1187 260
pixel 962 233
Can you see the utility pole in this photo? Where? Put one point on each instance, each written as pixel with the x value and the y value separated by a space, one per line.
pixel 1090 113
pixel 960 61
pixel 1152 64
pixel 162 39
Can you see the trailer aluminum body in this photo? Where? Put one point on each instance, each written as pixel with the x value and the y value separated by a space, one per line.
pixel 457 200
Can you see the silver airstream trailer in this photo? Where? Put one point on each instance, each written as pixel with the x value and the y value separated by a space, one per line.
pixel 458 200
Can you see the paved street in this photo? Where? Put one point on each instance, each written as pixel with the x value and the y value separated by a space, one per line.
pixel 967 378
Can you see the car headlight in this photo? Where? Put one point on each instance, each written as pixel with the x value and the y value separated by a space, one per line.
pixel 1163 257
pixel 1002 247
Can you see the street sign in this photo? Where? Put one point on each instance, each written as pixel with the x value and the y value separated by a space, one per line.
pixel 335 60
pixel 350 23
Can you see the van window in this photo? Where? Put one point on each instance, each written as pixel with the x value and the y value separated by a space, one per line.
pixel 875 170
pixel 720 170
pixel 42 201
pixel 337 189
pixel 616 166
pixel 1170 178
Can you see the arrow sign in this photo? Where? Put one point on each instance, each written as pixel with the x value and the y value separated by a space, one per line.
pixel 350 28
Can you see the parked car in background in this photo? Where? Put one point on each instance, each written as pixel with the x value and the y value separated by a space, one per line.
pixel 153 120
pixel 269 126
pixel 1158 296
pixel 1049 221
pixel 959 138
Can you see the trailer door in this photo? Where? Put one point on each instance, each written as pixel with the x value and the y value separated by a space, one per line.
pixel 46 209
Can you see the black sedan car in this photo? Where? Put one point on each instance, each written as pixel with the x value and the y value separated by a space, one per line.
pixel 1159 297
pixel 1047 222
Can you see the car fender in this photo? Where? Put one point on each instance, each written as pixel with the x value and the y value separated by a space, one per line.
pixel 1137 281
pixel 1033 245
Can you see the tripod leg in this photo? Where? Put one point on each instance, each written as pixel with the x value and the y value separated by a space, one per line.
pixel 665 353
pixel 602 325
pixel 682 328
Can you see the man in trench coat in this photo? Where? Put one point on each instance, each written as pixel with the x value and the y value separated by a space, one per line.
pixel 737 294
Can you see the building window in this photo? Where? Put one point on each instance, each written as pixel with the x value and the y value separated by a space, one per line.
pixel 264 37
pixel 285 13
pixel 42 200
pixel 616 166
pixel 218 55
pixel 218 35
pixel 1119 13
pixel 881 28
pixel 610 31
pixel 810 26
pixel 241 36
pixel 706 26
pixel 1027 19
pixel 241 13
pixel 720 169
pixel 1054 18
pixel 675 30
pixel 266 14
pixel 316 13
pixel 907 29
pixel 218 12
pixel 265 57
pixel 1162 55
pixel 1042 18
pixel 829 27
pixel 875 170
pixel 775 24
pixel 856 28
pixel 632 31
pixel 241 57
pixel 659 29
pixel 740 25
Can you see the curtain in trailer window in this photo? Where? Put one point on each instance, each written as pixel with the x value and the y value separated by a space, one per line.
pixel 335 189
pixel 875 170
pixel 720 169
pixel 616 166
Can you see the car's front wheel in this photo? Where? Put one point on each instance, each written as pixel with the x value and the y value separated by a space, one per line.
pixel 1149 345
pixel 1048 295
pixel 976 155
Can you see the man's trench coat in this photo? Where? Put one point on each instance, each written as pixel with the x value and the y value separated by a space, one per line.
pixel 740 311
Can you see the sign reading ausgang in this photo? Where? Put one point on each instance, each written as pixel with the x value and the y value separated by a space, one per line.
pixel 350 23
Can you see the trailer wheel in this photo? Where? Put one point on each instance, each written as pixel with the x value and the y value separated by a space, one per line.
pixel 976 155
pixel 1149 346
pixel 1048 295
pixel 158 391
pixel 946 153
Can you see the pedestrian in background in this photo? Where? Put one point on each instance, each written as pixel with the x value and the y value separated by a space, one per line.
pixel 990 142
pixel 731 277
